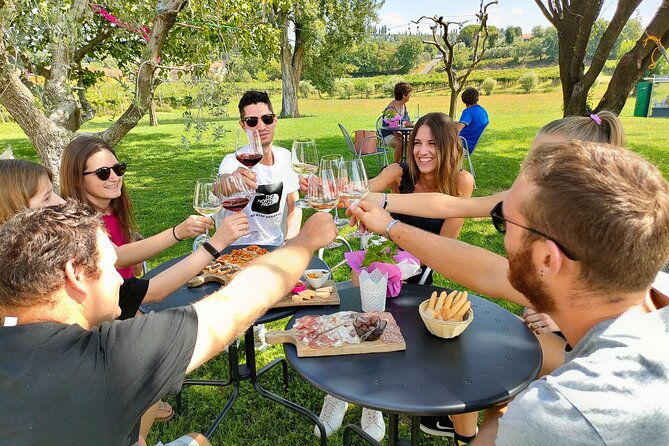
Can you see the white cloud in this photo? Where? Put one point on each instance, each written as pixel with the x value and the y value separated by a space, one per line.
pixel 517 11
pixel 392 19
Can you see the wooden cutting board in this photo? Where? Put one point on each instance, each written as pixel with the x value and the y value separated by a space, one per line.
pixel 303 350
pixel 333 299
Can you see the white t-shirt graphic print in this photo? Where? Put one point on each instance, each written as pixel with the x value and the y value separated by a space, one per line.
pixel 265 211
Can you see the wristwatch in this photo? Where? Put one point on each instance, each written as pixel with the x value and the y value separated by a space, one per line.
pixel 211 250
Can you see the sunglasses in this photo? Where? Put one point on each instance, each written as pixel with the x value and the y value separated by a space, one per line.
pixel 500 222
pixel 103 172
pixel 252 121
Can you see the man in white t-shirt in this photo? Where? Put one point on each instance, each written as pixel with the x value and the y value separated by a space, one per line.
pixel 276 184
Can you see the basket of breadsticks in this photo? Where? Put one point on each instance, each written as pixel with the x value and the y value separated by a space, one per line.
pixel 447 315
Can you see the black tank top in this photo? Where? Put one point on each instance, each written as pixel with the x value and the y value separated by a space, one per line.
pixel 407 186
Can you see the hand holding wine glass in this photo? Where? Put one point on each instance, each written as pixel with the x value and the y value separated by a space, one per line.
pixel 205 202
pixel 248 147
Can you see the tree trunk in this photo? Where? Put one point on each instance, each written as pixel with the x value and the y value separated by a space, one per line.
pixel 153 119
pixel 633 64
pixel 291 71
pixel 453 103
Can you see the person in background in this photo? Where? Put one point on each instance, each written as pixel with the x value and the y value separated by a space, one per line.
pixel 473 119
pixel 60 346
pixel 593 280
pixel 397 107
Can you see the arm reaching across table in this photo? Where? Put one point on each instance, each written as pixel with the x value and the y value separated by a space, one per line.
pixel 437 205
pixel 226 313
pixel 471 266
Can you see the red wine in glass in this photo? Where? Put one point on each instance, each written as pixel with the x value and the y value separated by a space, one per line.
pixel 248 159
pixel 235 204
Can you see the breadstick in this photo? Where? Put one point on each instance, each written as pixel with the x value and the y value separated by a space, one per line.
pixel 457 306
pixel 459 299
pixel 435 314
pixel 460 315
pixel 446 313
pixel 449 300
pixel 433 301
pixel 440 302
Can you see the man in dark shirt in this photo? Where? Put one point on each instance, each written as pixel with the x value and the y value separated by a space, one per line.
pixel 68 375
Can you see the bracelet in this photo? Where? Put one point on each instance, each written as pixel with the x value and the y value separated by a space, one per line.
pixel 211 250
pixel 391 223
pixel 174 233
pixel 385 200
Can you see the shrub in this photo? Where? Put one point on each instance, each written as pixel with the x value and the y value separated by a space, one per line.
pixel 529 81
pixel 388 86
pixel 488 85
pixel 306 89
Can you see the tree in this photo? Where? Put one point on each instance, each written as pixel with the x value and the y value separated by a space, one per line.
pixel 53 40
pixel 511 33
pixel 447 48
pixel 315 34
pixel 409 51
pixel 574 21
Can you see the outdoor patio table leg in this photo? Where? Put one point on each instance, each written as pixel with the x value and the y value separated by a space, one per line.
pixel 233 359
pixel 284 366
pixel 350 428
pixel 393 422
pixel 249 348
pixel 415 431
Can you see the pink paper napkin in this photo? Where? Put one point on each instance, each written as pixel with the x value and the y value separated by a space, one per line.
pixel 354 260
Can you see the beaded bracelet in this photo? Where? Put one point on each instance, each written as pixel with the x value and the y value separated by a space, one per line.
pixel 391 223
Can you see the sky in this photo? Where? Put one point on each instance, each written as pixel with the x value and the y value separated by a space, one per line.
pixel 397 14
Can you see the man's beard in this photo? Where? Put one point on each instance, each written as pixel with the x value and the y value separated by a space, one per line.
pixel 524 278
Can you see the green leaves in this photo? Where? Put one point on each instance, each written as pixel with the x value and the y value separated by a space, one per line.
pixel 379 252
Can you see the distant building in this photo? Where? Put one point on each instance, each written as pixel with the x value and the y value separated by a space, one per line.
pixel 526 37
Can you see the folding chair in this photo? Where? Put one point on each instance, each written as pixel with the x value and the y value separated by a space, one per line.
pixel 380 148
pixel 465 151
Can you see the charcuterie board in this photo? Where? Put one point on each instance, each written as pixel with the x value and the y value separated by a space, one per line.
pixel 303 350
pixel 337 334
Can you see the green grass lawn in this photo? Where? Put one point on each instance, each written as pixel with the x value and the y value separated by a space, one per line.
pixel 161 178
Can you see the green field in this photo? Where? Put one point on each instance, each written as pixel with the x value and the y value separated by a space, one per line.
pixel 161 178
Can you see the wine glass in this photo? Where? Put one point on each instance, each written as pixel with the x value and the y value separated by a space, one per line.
pixel 334 163
pixel 353 186
pixel 233 191
pixel 205 203
pixel 248 147
pixel 304 161
pixel 322 191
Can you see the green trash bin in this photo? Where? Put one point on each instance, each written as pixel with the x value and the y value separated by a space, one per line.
pixel 643 91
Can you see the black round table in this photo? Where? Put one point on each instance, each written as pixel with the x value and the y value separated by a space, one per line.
pixel 238 372
pixel 490 362
pixel 405 131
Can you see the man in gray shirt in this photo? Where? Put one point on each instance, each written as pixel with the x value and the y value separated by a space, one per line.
pixel 587 229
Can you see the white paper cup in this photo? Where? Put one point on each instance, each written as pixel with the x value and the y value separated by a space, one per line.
pixel 373 288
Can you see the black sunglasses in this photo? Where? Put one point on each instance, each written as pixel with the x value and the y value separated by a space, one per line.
pixel 252 121
pixel 500 222
pixel 104 172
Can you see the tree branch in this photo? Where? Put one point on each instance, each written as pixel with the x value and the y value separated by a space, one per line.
pixel 95 41
pixel 162 24
pixel 549 15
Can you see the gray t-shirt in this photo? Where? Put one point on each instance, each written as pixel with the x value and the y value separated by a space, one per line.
pixel 612 390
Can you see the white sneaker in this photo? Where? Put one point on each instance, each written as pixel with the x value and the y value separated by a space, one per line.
pixel 259 337
pixel 332 415
pixel 372 423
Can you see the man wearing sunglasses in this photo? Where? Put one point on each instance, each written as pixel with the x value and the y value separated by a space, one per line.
pixel 276 184
pixel 586 230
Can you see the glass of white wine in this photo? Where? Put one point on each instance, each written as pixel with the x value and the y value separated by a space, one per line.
pixel 304 161
pixel 353 186
pixel 206 203
pixel 335 163
pixel 322 191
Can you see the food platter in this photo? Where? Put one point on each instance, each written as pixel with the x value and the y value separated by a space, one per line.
pixel 224 268
pixel 330 335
